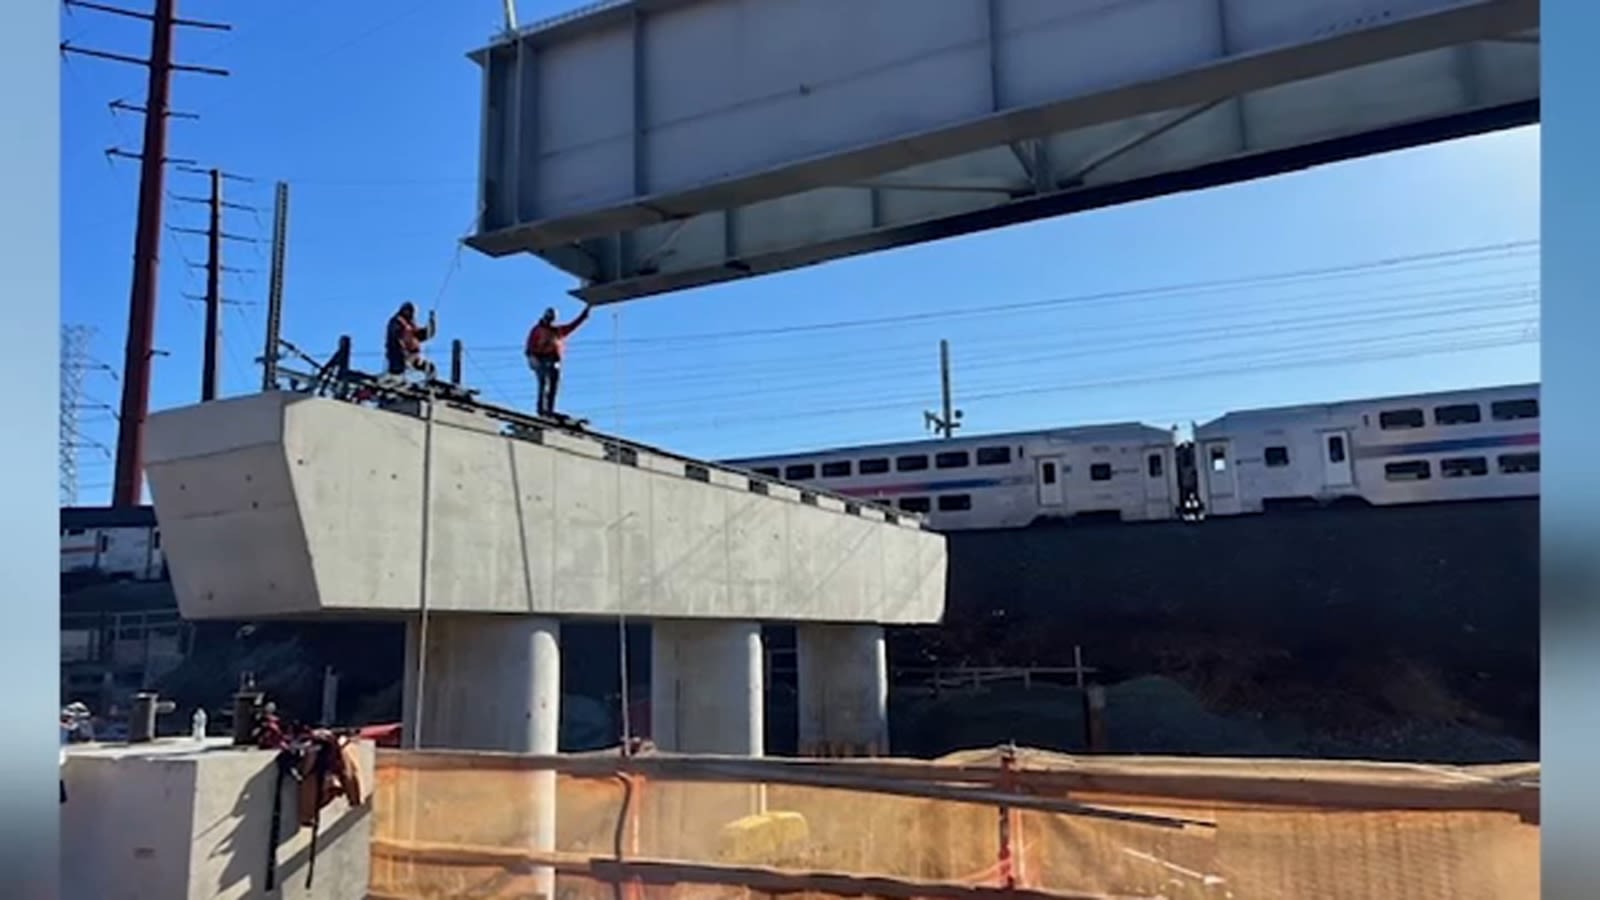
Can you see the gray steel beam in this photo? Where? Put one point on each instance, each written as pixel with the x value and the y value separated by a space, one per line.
pixel 884 235
pixel 1279 41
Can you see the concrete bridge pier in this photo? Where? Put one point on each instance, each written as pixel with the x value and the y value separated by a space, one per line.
pixel 707 687
pixel 843 690
pixel 491 682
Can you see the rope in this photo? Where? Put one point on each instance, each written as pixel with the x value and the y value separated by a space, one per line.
pixel 422 575
pixel 455 261
pixel 622 615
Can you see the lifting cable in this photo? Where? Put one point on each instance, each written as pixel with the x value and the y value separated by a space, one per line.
pixel 423 569
pixel 622 612
pixel 413 734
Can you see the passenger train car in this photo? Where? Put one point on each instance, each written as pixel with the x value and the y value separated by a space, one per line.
pixel 1003 480
pixel 111 544
pixel 1427 448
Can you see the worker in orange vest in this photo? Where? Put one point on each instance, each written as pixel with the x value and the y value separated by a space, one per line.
pixel 402 344
pixel 546 344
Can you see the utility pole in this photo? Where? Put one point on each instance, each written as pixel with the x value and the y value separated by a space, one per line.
pixel 208 374
pixel 947 423
pixel 280 238
pixel 127 486
pixel 211 344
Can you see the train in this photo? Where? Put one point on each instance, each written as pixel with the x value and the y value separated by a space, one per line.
pixel 1474 444
pixel 111 544
pixel 1439 447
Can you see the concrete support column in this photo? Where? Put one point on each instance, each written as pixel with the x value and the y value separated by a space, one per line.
pixel 843 690
pixel 706 687
pixel 492 682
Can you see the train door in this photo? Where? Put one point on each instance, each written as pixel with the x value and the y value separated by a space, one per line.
pixel 1337 472
pixel 1222 489
pixel 1158 500
pixel 1051 471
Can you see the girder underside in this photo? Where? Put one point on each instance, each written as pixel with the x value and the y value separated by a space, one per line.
pixel 847 204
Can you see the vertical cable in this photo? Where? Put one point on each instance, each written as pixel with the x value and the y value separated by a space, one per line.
pixel 622 614
pixel 422 573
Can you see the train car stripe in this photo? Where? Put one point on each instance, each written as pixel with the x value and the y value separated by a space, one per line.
pixel 1454 445
pixel 933 487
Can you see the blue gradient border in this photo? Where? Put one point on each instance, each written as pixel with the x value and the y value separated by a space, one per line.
pixel 1569 519
pixel 30 275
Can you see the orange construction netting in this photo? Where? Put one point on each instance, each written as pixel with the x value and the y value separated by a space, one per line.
pixel 1002 823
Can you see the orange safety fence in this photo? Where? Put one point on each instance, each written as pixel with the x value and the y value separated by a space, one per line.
pixel 985 824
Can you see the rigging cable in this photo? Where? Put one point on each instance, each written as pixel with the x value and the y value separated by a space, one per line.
pixel 622 612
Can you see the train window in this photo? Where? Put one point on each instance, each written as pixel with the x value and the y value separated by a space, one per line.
pixel 994 456
pixel 1507 410
pixel 1276 457
pixel 1463 467
pixel 910 463
pixel 1219 459
pixel 768 471
pixel 873 466
pixel 1154 465
pixel 155 540
pixel 1414 470
pixel 1100 472
pixel 952 459
pixel 1047 473
pixel 955 503
pixel 801 472
pixel 1457 414
pixel 1401 418
pixel 74 531
pixel 915 504
pixel 1519 463
pixel 838 469
pixel 1336 448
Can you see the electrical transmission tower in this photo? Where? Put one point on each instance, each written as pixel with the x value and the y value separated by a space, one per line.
pixel 74 362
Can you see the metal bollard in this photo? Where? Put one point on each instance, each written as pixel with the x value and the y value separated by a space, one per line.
pixel 142 717
pixel 246 707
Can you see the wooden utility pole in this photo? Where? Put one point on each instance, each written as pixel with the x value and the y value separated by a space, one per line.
pixel 209 372
pixel 946 423
pixel 127 486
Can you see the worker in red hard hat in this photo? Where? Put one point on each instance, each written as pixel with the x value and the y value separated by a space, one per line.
pixel 546 344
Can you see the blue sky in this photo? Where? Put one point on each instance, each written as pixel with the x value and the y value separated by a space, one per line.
pixel 370 112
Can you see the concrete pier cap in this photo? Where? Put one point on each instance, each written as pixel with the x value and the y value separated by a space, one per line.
pixel 484 538
pixel 288 505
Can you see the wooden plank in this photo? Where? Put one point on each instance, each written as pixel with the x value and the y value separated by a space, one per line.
pixel 1218 784
pixel 670 872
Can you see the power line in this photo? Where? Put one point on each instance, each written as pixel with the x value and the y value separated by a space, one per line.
pixel 1155 378
pixel 1215 310
pixel 1013 354
pixel 1192 287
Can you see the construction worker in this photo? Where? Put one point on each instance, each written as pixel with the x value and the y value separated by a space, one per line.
pixel 546 344
pixel 402 344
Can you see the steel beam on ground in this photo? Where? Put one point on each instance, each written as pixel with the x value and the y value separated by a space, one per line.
pixel 655 145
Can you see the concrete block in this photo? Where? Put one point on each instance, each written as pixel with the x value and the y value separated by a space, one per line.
pixel 289 505
pixel 178 820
